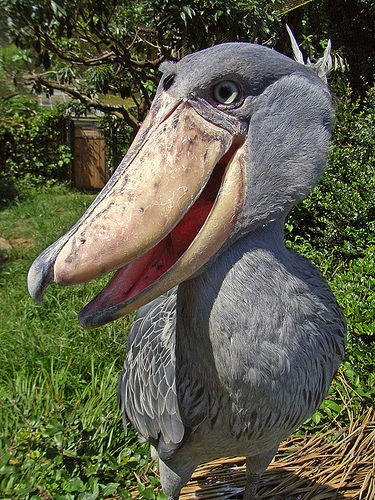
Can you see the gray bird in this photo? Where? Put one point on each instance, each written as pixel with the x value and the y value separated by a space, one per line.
pixel 237 337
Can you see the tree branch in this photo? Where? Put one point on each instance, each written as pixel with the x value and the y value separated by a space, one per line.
pixel 116 110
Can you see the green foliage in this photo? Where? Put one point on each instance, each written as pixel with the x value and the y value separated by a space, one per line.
pixel 61 434
pixel 203 23
pixel 339 216
pixel 88 48
pixel 355 288
pixel 117 134
pixel 9 70
pixel 350 24
pixel 32 145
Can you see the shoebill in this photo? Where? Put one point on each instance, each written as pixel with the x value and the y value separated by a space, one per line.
pixel 237 337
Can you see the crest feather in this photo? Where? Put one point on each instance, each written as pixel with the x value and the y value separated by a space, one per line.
pixel 322 66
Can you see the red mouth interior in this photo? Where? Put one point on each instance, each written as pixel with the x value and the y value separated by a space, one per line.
pixel 133 278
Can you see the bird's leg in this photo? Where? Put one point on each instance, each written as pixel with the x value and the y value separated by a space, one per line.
pixel 154 453
pixel 255 466
pixel 173 475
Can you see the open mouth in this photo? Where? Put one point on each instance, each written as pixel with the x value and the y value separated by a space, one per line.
pixel 171 205
pixel 132 279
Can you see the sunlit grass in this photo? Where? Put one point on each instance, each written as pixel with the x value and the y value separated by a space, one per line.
pixel 60 429
pixel 61 433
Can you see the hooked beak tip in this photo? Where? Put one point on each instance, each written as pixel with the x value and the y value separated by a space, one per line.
pixel 38 278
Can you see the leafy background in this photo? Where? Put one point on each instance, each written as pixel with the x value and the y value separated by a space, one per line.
pixel 61 433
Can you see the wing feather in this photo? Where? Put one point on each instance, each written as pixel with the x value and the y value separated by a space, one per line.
pixel 147 387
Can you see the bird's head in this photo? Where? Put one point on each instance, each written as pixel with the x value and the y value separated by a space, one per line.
pixel 236 135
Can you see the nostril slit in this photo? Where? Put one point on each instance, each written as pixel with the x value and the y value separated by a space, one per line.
pixel 168 81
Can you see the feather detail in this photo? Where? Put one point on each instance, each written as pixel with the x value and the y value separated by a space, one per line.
pixel 147 388
pixel 322 67
pixel 298 56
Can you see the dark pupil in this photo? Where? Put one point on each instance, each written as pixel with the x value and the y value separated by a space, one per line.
pixel 225 92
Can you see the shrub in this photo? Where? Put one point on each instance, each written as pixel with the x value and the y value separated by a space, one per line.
pixel 338 216
pixel 32 145
pixel 116 133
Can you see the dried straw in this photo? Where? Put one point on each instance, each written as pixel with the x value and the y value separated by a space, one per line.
pixel 337 463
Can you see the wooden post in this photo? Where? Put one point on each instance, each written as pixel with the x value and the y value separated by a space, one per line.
pixel 89 165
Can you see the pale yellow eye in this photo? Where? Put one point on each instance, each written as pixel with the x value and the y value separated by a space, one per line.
pixel 226 92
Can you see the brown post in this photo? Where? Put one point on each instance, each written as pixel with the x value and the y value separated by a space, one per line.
pixel 89 165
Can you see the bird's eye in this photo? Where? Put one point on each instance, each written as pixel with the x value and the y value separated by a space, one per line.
pixel 226 92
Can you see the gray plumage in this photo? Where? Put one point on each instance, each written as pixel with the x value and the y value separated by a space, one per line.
pixel 235 359
pixel 241 336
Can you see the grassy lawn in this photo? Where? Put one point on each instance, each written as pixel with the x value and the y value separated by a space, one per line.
pixel 61 433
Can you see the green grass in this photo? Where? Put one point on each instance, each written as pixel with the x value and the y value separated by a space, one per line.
pixel 61 433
